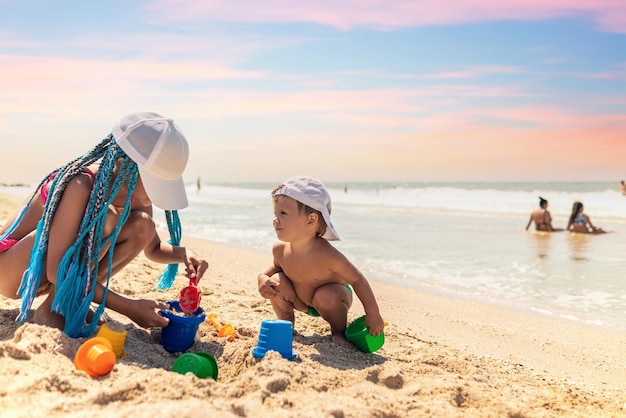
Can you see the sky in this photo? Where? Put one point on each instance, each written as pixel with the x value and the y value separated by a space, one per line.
pixel 343 90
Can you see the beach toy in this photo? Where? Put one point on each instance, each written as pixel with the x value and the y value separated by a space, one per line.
pixel 180 333
pixel 359 334
pixel 276 335
pixel 115 338
pixel 95 356
pixel 201 364
pixel 189 297
pixel 222 330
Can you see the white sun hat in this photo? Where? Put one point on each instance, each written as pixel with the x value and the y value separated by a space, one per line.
pixel 311 192
pixel 161 152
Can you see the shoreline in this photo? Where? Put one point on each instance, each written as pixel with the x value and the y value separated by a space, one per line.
pixel 573 351
pixel 442 357
pixel 507 306
pixel 535 340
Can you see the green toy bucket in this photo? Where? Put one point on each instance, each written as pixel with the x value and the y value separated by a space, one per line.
pixel 358 334
pixel 201 364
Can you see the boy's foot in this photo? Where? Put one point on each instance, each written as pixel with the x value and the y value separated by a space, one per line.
pixel 341 341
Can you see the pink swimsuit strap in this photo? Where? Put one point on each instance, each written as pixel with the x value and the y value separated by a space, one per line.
pixel 7 243
pixel 45 187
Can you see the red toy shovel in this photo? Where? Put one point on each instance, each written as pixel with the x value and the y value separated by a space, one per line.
pixel 190 296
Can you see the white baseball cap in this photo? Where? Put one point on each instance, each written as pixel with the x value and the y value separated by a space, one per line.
pixel 161 152
pixel 311 192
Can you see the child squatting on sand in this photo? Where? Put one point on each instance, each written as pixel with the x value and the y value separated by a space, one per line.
pixel 83 224
pixel 308 273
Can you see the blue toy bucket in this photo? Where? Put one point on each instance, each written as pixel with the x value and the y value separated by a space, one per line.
pixel 180 333
pixel 276 335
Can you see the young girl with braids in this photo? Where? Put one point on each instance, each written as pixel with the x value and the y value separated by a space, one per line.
pixel 80 227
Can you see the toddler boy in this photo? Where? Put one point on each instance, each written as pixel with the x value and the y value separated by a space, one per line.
pixel 309 274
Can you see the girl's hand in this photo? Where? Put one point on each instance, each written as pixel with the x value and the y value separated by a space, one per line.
pixel 195 266
pixel 145 313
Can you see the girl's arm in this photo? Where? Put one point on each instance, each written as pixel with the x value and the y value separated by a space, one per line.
pixel 143 312
pixel 165 253
pixel 66 221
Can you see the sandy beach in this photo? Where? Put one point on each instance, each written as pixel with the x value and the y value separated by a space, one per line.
pixel 442 357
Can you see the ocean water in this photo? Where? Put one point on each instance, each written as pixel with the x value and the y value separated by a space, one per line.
pixel 466 240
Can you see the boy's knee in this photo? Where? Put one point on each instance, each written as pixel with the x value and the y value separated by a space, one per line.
pixel 283 281
pixel 328 297
pixel 285 287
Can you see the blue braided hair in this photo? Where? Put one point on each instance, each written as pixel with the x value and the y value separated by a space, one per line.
pixel 78 270
pixel 166 279
pixel 34 270
pixel 23 211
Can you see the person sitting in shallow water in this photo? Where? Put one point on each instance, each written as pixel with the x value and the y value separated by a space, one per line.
pixel 542 218
pixel 579 222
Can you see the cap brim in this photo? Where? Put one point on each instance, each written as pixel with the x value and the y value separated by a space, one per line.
pixel 165 194
pixel 330 234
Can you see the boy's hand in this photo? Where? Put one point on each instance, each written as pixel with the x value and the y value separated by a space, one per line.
pixel 375 323
pixel 267 286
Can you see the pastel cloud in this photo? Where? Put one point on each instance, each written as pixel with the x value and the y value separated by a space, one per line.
pixel 47 84
pixel 50 84
pixel 470 151
pixel 392 134
pixel 462 150
pixel 427 132
pixel 608 15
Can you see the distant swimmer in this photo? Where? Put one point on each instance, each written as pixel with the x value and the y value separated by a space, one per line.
pixel 542 218
pixel 622 186
pixel 579 222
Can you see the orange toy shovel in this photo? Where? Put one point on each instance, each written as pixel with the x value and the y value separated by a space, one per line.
pixel 190 296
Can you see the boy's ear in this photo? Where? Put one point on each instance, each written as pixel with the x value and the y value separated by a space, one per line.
pixel 312 218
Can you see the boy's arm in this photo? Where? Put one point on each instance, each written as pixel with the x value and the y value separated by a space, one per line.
pixel 346 270
pixel 266 284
